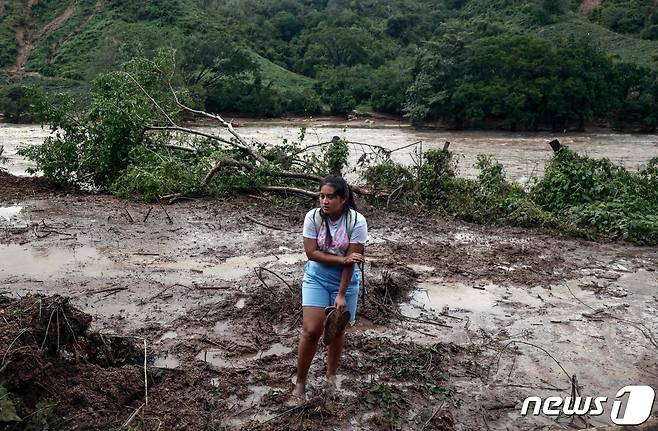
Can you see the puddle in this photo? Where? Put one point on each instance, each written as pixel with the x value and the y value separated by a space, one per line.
pixel 231 269
pixel 276 349
pixel 240 304
pixel 218 358
pixel 42 262
pixel 10 213
pixel 257 392
pixel 438 296
pixel 167 360
pixel 243 408
pixel 641 282
pixel 222 328
pixel 420 268
pixel 169 335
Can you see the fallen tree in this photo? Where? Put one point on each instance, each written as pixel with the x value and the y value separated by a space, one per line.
pixel 134 143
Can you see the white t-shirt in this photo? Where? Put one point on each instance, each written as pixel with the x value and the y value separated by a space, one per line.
pixel 339 240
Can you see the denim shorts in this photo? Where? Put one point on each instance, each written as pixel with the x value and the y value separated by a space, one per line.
pixel 321 283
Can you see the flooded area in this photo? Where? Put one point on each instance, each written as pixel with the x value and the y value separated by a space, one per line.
pixel 524 155
pixel 460 324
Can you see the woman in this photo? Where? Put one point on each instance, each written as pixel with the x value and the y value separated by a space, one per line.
pixel 334 238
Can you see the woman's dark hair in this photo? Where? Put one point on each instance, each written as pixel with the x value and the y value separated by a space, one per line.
pixel 344 191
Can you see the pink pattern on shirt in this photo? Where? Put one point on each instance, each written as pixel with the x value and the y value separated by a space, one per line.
pixel 339 242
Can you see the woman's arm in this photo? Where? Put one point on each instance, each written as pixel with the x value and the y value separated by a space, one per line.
pixel 346 276
pixel 312 253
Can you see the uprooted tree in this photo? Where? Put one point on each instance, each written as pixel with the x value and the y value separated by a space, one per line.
pixel 131 141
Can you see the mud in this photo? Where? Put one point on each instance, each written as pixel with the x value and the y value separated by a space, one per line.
pixel 449 337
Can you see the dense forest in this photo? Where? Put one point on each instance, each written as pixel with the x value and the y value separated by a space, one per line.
pixel 465 63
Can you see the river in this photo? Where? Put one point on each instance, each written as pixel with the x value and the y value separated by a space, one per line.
pixel 522 154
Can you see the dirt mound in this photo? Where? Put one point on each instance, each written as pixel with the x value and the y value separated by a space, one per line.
pixel 54 375
pixel 18 187
pixel 387 285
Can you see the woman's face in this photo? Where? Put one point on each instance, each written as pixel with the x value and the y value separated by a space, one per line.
pixel 330 202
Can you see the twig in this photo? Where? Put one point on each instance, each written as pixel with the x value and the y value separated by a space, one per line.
pixel 146 388
pixel 45 337
pixel 311 403
pixel 165 211
pixel 429 322
pixel 23 331
pixel 212 287
pixel 130 217
pixel 388 201
pixel 193 132
pixel 150 97
pixel 405 146
pixel 308 147
pixel 280 189
pixel 637 325
pixel 544 388
pixel 433 415
pixel 109 289
pixel 132 417
pixel 40 236
pixel 243 142
pixel 261 268
pixel 536 347
pixel 250 218
pixel 164 290
pixel 148 213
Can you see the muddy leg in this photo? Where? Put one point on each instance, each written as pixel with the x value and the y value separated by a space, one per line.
pixel 333 357
pixel 308 344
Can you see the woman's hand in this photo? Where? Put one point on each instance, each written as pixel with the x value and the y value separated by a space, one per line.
pixel 352 258
pixel 340 302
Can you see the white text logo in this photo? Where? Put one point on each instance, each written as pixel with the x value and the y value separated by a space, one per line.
pixel 638 406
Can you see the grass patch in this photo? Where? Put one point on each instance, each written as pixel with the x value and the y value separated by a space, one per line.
pixel 623 47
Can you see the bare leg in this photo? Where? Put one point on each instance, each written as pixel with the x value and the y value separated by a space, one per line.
pixel 308 344
pixel 333 357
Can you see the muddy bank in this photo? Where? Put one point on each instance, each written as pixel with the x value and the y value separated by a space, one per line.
pixel 449 308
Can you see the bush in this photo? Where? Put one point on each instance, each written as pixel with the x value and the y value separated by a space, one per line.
pixel 16 103
pixel 388 176
pixel 595 194
pixel 92 149
pixel 155 171
pixel 437 174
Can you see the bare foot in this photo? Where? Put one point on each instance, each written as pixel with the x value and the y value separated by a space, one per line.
pixel 331 380
pixel 299 393
pixel 331 385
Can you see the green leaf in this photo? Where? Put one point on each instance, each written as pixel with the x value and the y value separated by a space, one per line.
pixel 7 408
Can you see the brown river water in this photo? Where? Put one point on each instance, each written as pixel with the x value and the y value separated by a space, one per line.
pixel 523 155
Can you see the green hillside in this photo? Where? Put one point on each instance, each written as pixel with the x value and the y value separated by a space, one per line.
pixel 308 56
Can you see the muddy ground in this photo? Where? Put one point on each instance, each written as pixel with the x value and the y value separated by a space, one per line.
pixel 462 322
